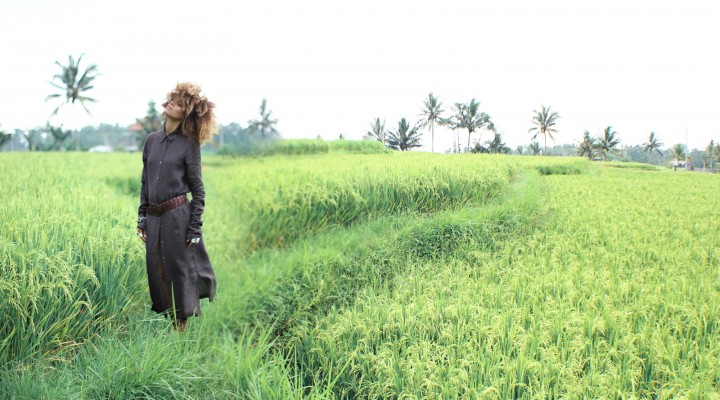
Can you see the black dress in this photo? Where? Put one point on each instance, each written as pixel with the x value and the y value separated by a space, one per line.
pixel 171 167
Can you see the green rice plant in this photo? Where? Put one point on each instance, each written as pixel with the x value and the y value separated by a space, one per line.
pixel 375 188
pixel 595 305
pixel 633 165
pixel 358 146
pixel 381 276
pixel 293 147
pixel 66 262
pixel 578 167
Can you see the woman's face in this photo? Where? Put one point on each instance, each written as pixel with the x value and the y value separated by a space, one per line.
pixel 174 109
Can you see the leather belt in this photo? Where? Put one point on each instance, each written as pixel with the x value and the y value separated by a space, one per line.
pixel 167 205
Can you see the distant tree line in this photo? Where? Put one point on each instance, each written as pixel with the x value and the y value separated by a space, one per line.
pixel 232 138
pixel 466 117
pixel 72 83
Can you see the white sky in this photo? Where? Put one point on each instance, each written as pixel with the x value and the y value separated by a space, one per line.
pixel 331 67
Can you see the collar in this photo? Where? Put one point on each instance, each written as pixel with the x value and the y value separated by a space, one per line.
pixel 172 135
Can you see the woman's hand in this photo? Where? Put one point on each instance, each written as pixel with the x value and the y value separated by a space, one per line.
pixel 142 233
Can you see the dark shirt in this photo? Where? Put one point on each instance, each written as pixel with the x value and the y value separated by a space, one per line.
pixel 171 167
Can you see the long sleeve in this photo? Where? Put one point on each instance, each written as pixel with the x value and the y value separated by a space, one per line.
pixel 193 173
pixel 143 189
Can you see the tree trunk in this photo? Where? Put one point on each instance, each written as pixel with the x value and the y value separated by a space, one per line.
pixel 432 138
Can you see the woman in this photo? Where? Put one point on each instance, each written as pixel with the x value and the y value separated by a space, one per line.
pixel 178 267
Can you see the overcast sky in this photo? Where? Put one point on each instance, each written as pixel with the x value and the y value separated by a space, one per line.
pixel 331 67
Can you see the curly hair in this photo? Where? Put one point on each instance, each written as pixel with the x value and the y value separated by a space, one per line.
pixel 199 120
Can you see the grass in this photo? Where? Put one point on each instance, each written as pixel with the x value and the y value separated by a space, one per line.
pixel 295 147
pixel 634 165
pixel 535 277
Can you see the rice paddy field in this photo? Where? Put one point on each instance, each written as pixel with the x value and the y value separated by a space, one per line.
pixel 354 276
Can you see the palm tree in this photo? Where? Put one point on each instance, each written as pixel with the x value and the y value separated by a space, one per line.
pixel 519 150
pixel 497 146
pixel 478 148
pixel 456 135
pixel 377 131
pixel 73 83
pixel 710 152
pixel 59 135
pixel 535 148
pixel 678 153
pixel 405 138
pixel 264 125
pixel 544 121
pixel 32 136
pixel 608 142
pixel 468 116
pixel 653 143
pixel 4 138
pixel 430 115
pixel 151 122
pixel 587 146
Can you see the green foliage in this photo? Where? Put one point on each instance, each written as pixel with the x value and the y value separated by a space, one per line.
pixel 4 138
pixel 73 82
pixel 607 143
pixel 358 147
pixel 633 165
pixel 302 147
pixel 653 144
pixel 431 114
pixel 377 132
pixel 368 190
pixel 265 125
pixel 32 137
pixel 60 135
pixel 535 148
pixel 542 286
pixel 562 169
pixel 468 116
pixel 678 152
pixel 151 122
pixel 405 137
pixel 587 146
pixel 65 261
pixel 496 145
pixel 293 147
pixel 710 155
pixel 564 311
pixel 544 121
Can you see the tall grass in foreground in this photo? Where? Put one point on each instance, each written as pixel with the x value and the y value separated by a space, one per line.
pixel 71 266
pixel 68 258
pixel 559 285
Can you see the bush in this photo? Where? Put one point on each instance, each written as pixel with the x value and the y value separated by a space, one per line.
pixel 358 146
